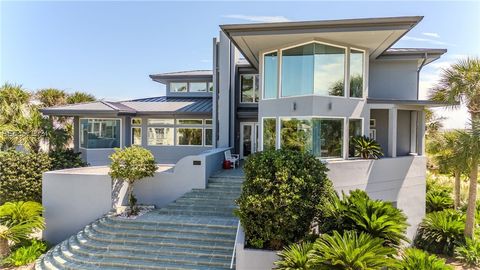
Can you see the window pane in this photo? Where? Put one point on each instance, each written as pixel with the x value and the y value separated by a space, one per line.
pixel 208 121
pixel 208 136
pixel 136 121
pixel 354 130
pixel 160 136
pixel 198 87
pixel 296 134
pixel 297 71
pixel 246 88
pixel 189 136
pixel 210 87
pixel 269 133
pixel 137 136
pixel 99 133
pixel 356 73
pixel 189 121
pixel 270 73
pixel 178 87
pixel 329 70
pixel 328 138
pixel 161 121
pixel 255 88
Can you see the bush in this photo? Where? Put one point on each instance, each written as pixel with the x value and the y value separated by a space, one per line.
pixel 21 176
pixel 366 148
pixel 295 256
pixel 440 232
pixel 360 213
pixel 65 159
pixel 26 254
pixel 131 164
pixel 416 259
pixel 350 250
pixel 279 197
pixel 469 252
pixel 438 197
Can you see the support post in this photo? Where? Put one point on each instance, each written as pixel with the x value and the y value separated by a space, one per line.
pixel 413 132
pixel 421 133
pixel 392 132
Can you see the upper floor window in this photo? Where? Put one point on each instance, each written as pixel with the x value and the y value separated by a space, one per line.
pixel 210 87
pixel 270 75
pixel 356 73
pixel 249 88
pixel 198 87
pixel 313 69
pixel 178 87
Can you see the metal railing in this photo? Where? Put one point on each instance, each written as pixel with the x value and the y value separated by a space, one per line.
pixel 235 245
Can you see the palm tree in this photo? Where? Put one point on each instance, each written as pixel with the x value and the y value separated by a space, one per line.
pixel 295 257
pixel 79 97
pixel 18 220
pixel 51 97
pixel 460 83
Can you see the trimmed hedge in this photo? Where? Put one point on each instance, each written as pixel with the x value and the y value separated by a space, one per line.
pixel 280 196
pixel 64 159
pixel 21 176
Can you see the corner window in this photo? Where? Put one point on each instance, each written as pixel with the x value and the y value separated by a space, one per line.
pixel 136 136
pixel 178 87
pixel 99 133
pixel 160 136
pixel 354 130
pixel 269 133
pixel 270 75
pixel 356 73
pixel 313 69
pixel 189 136
pixel 198 87
pixel 249 88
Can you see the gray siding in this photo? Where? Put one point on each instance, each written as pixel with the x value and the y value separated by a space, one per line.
pixel 393 79
pixel 381 118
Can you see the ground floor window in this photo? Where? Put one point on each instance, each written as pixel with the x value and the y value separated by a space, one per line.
pixel 189 136
pixel 269 133
pixel 208 137
pixel 99 133
pixel 160 136
pixel 323 137
pixel 136 136
pixel 354 130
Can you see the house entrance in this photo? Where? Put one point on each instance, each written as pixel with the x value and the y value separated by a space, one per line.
pixel 248 138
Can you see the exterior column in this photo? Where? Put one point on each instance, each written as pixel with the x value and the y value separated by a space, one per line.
pixel 421 133
pixel 346 138
pixel 392 132
pixel 413 132
pixel 76 133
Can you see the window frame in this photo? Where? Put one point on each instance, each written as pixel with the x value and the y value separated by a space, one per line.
pixel 183 82
pixel 255 93
pixel 161 126
pixel 262 79
pixel 362 119
pixel 202 82
pixel 194 119
pixel 177 138
pixel 132 137
pixel 99 118
pixel 262 132
pixel 364 66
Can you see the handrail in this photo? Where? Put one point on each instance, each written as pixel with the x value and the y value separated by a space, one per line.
pixel 235 245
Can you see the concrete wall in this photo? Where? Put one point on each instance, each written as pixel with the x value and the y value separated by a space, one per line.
pixel 74 198
pixel 400 180
pixel 393 79
pixel 252 259
pixel 403 132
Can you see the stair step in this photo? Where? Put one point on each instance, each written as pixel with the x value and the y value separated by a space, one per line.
pixel 206 203
pixel 196 213
pixel 184 221
pixel 200 207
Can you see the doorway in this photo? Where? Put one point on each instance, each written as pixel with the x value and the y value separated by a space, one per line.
pixel 248 138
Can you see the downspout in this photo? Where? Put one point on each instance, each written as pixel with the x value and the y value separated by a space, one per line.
pixel 418 73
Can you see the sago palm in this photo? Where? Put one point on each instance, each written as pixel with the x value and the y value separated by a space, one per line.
pixel 295 257
pixel 366 148
pixel 416 259
pixel 350 251
pixel 460 83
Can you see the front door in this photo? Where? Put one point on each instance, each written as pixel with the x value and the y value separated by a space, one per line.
pixel 248 138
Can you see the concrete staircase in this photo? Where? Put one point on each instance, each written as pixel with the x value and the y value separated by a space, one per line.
pixel 197 231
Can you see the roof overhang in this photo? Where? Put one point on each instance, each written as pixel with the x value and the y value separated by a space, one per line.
pixel 192 75
pixel 422 56
pixel 424 103
pixel 374 34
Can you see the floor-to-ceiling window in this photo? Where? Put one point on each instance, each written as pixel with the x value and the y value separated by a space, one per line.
pixel 270 73
pixel 269 133
pixel 356 73
pixel 354 130
pixel 99 133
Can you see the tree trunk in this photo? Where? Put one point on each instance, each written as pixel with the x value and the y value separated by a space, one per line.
pixel 4 248
pixel 457 189
pixel 472 200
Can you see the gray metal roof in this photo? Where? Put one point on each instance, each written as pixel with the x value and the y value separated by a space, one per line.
pixel 427 103
pixel 150 106
pixel 182 75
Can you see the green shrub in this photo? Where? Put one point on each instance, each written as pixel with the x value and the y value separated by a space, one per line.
pixel 26 254
pixel 295 257
pixel 65 159
pixel 438 201
pixel 440 232
pixel 350 250
pixel 358 212
pixel 21 176
pixel 279 197
pixel 469 252
pixel 416 259
pixel 131 164
pixel 366 148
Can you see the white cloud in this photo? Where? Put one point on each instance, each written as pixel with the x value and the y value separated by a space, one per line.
pixel 429 40
pixel 430 34
pixel 253 18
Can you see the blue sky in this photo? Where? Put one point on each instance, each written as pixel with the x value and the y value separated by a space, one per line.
pixel 110 48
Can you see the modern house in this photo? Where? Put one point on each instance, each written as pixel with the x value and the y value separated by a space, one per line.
pixel 310 84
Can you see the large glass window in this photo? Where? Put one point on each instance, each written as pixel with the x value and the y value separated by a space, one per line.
pixel 161 121
pixel 160 135
pixel 270 75
pixel 249 88
pixel 354 130
pixel 178 87
pixel 269 133
pixel 208 137
pixel 313 69
pixel 99 133
pixel 356 73
pixel 189 136
pixel 136 136
pixel 198 87
pixel 319 136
